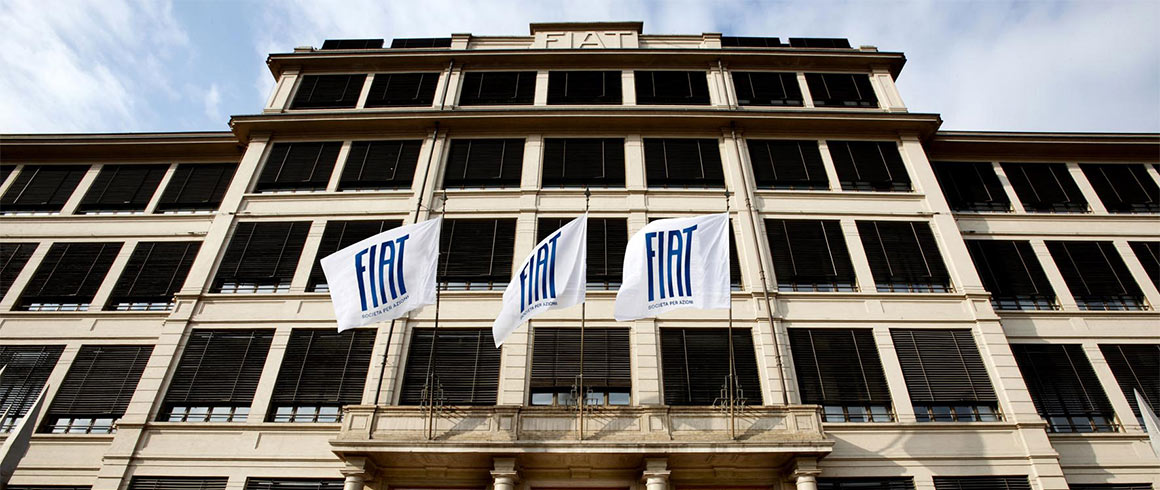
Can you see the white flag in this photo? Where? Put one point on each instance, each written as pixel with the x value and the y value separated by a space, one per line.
pixel 383 277
pixel 1151 422
pixel 675 263
pixel 555 275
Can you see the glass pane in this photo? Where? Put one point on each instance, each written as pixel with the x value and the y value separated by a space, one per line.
pixel 942 414
pixel 987 414
pixel 880 414
pixel 857 414
pixel 965 413
pixel 619 398
pixel 834 414
pixel 541 398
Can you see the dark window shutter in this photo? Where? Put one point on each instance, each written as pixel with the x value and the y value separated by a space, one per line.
pixel 476 253
pixel 197 186
pixel 70 273
pixel 971 186
pixel 869 166
pixel 787 164
pixel 498 88
pixel 583 162
pixel 484 163
pixel 903 256
pixel 466 366
pixel 1012 274
pixel 1112 486
pixel 865 483
pixel 671 87
pixel 695 363
pixel 841 90
pixel 328 91
pixel 27 368
pixel 155 272
pixel 100 382
pixel 380 165
pixel 942 366
pixel 1045 187
pixel 584 87
pixel 262 253
pixel 810 255
pixel 324 367
pixel 607 240
pixel 219 368
pixel 122 188
pixel 352 44
pixel 49 487
pixel 1136 368
pixel 819 42
pixel 421 42
pixel 1147 252
pixel 758 88
pixel 683 162
pixel 1064 387
pixel 42 187
pixel 293 484
pixel 402 90
pixel 981 483
pixel 749 42
pixel 298 166
pixel 556 358
pixel 13 257
pixel 1123 188
pixel 5 171
pixel 1096 275
pixel 177 483
pixel 838 366
pixel 339 235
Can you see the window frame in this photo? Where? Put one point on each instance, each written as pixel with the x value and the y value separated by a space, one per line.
pixel 616 97
pixel 371 102
pixel 694 97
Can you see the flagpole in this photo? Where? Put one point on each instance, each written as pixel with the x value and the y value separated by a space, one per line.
pixel 583 318
pixel 732 378
pixel 430 384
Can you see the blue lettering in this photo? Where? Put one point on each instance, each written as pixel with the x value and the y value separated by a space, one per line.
pixel 402 244
pixel 358 270
pixel 386 263
pixel 671 256
pixel 371 269
pixel 689 259
pixel 649 254
pixel 673 263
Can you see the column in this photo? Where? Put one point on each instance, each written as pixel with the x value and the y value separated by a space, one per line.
pixel 504 475
pixel 805 473
pixel 358 471
pixel 656 474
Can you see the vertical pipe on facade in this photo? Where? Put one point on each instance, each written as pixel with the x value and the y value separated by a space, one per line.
pixel 446 83
pixel 725 85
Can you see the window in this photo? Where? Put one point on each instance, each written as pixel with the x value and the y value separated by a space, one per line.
pixel 1096 276
pixel 328 91
pixel 293 484
pixel 869 166
pixel 695 366
pixel 839 369
pixel 465 370
pixel 155 272
pixel 671 87
pixel 841 90
pixel 68 277
pixel 583 162
pixel 1123 188
pixel 97 389
pixel 981 483
pixel 122 188
pixel 810 255
pixel 421 42
pixel 819 42
pixel 402 90
pixel 42 188
pixel 904 257
pixel 322 370
pixel 482 163
pixel 749 42
pixel 786 164
pixel 971 186
pixel 13 256
pixel 177 483
pixel 196 187
pixel 498 88
pixel 865 483
pixel 380 165
pixel 261 257
pixel 1148 254
pixel 1136 368
pixel 1045 187
pixel 607 239
pixel 298 167
pixel 584 87
pixel 339 235
pixel 1064 387
pixel 1011 273
pixel 767 88
pixel 27 368
pixel 216 377
pixel 352 44
pixel 683 163
pixel 556 364
pixel 476 253
pixel 945 376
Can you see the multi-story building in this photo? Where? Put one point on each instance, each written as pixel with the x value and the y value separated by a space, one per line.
pixel 911 308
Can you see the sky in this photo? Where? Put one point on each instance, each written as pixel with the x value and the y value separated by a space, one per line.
pixel 186 65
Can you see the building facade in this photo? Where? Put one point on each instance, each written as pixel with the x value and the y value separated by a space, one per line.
pixel 912 308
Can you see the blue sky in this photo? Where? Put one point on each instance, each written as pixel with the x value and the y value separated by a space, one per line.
pixel 184 65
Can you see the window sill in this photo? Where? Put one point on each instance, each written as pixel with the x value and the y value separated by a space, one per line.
pixel 94 311
pixel 233 426
pixel 80 437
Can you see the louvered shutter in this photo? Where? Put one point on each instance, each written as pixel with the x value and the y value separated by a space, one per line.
pixel 981 483
pixel 5 171
pixel 683 162
pixel 122 188
pixel 13 257
pixel 810 255
pixel 476 253
pixel 155 272
pixel 819 42
pixel 380 165
pixel 1148 253
pixel 197 186
pixel 498 88
pixel 1045 187
pixel 865 483
pixel 49 487
pixel 70 273
pixel 841 90
pixel 421 42
pixel 484 163
pixel 1136 368
pixel 298 166
pixel 324 367
pixel 787 164
pixel 1096 275
pixel 402 90
pixel 1123 188
pixel 607 240
pixel 466 366
pixel 942 366
pixel 695 363
pixel 42 187
pixel 671 87
pixel 583 162
pixel 26 369
pixel 339 235
pixel 869 166
pixel 219 368
pixel 293 484
pixel 352 44
pixel 100 382
pixel 1063 385
pixel 838 366
pixel 584 87
pixel 262 253
pixel 971 186
pixel 903 256
pixel 1011 272
pixel 177 483
pixel 1112 486
pixel 756 88
pixel 328 91
pixel 556 358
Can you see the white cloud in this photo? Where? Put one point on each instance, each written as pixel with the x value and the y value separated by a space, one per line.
pixel 213 102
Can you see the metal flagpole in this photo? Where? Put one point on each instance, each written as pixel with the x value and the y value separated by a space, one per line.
pixel 430 384
pixel 583 396
pixel 732 378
